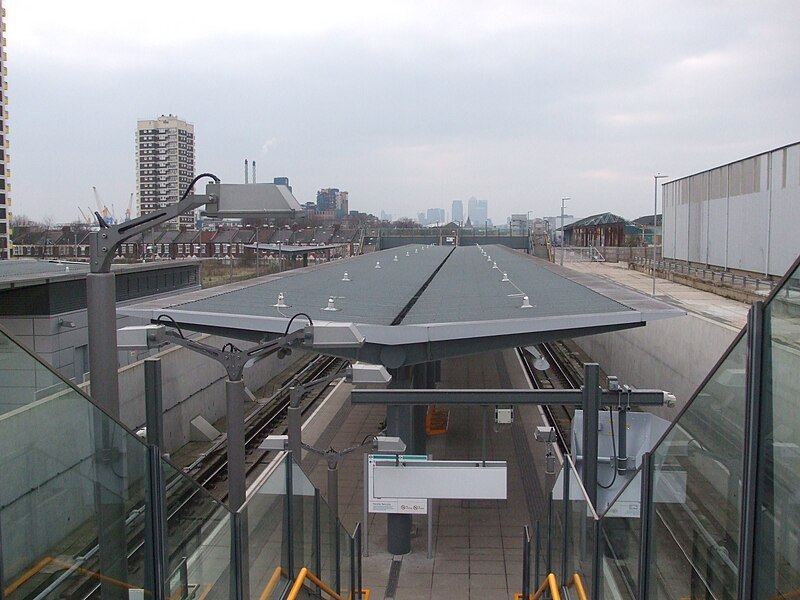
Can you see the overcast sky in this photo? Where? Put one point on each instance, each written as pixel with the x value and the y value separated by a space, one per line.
pixel 407 105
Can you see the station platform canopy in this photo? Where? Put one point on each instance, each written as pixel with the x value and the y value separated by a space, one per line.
pixel 418 303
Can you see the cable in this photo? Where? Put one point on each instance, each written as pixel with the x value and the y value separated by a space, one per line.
pixel 289 324
pixel 195 180
pixel 174 324
pixel 613 455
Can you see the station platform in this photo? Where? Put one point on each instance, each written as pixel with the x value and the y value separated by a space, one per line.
pixel 477 544
pixel 706 304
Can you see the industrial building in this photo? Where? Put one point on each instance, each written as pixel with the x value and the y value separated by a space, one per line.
pixel 165 164
pixel 739 216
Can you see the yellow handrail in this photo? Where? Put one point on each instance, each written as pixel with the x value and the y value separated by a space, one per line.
pixel 272 583
pixel 577 583
pixel 306 574
pixel 549 582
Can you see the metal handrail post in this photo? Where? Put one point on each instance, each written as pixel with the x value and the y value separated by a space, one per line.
pixel 239 584
pixel 565 546
pixel 155 521
pixel 647 525
pixel 526 562
pixel 596 560
pixel 338 564
pixel 755 414
pixel 317 531
pixel 549 566
pixel 536 572
pixel 352 567
pixel 357 536
pixel 290 514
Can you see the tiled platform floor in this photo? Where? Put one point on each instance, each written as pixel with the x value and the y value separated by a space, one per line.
pixel 477 544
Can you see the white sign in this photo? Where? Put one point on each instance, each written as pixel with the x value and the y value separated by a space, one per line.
pixel 440 479
pixel 414 506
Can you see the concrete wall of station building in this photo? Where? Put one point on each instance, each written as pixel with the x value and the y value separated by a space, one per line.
pixel 192 385
pixel 740 216
pixel 65 348
pixel 670 354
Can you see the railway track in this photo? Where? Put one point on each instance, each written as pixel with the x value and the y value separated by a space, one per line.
pixel 187 507
pixel 560 374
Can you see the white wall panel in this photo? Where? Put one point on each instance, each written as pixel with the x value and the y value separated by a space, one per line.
pixel 728 216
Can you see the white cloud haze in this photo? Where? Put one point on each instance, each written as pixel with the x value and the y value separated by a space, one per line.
pixel 407 105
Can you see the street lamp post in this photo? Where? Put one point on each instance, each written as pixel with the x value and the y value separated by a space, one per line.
pixel 563 204
pixel 656 177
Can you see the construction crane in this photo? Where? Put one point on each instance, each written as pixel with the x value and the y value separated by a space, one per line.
pixel 102 208
pixel 130 207
pixel 86 219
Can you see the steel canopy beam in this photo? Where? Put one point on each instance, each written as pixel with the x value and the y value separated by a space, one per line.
pixel 483 397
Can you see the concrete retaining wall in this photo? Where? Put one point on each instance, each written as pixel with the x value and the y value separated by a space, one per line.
pixel 670 354
pixel 192 385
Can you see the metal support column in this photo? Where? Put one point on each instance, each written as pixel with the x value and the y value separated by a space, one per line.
pixel 237 486
pixel 755 413
pixel 110 490
pixel 591 408
pixel 156 564
pixel 399 423
pixel 647 525
pixel 101 289
pixel 234 399
pixel 421 379
pixel 103 365
pixel 153 404
pixel 333 486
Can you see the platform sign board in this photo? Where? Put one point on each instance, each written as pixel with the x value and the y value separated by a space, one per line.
pixel 440 479
pixel 388 504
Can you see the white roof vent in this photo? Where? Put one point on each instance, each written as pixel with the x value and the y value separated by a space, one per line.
pixel 505 277
pixel 526 303
pixel 346 277
pixel 488 259
pixel 331 305
pixel 494 265
pixel 280 303
pixel 378 265
pixel 395 258
pixel 408 253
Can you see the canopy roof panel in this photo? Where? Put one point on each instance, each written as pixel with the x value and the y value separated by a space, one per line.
pixel 420 302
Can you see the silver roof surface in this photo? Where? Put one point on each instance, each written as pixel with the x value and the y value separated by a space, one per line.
pixel 430 303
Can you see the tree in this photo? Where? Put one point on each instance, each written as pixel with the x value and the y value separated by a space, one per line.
pixel 405 223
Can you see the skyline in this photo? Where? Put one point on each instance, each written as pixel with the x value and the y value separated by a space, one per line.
pixel 405 107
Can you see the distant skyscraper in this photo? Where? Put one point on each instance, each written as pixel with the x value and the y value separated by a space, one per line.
pixel 5 186
pixel 436 215
pixel 164 164
pixel 458 211
pixel 478 211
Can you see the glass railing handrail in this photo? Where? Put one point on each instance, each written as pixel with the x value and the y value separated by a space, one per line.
pixel 573 470
pixel 263 477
